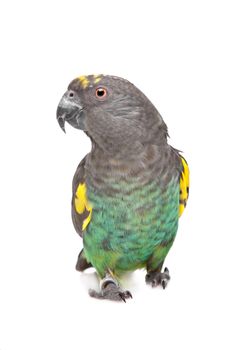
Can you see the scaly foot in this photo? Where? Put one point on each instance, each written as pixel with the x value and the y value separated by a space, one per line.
pixel 156 278
pixel 111 291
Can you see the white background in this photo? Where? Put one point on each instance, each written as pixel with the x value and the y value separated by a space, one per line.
pixel 179 53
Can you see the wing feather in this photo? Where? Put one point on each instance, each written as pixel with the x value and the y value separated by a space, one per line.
pixel 184 185
pixel 81 208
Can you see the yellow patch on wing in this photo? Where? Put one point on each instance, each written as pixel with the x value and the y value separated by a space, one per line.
pixel 184 186
pixel 84 81
pixel 82 205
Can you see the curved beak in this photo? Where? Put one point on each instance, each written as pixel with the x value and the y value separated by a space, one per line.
pixel 71 111
pixel 61 117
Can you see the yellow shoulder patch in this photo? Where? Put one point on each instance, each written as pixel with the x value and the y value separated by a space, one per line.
pixel 82 206
pixel 184 186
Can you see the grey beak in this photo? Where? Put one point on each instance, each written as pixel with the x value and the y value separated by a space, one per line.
pixel 69 110
pixel 61 116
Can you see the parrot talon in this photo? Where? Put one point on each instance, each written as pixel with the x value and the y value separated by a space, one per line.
pixel 122 297
pixel 154 284
pixel 111 291
pixel 163 283
pixel 156 278
pixel 129 294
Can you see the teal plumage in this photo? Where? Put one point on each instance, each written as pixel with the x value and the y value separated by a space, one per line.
pixel 130 190
pixel 125 230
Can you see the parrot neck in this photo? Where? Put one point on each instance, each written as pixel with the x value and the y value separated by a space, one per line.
pixel 126 163
pixel 113 151
pixel 133 151
pixel 103 169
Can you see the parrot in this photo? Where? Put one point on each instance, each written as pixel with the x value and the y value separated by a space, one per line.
pixel 130 190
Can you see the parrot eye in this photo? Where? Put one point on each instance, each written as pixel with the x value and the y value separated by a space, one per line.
pixel 101 93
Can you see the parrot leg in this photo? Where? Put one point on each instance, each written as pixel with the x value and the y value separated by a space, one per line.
pixel 156 277
pixel 110 290
pixel 82 263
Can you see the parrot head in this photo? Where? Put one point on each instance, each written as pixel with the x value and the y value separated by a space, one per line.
pixel 113 112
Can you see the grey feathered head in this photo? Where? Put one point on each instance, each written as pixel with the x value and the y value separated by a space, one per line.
pixel 115 114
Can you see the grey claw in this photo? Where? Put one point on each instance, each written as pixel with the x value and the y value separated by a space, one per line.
pixel 153 284
pixel 155 278
pixel 122 297
pixel 129 294
pixel 111 292
pixel 163 282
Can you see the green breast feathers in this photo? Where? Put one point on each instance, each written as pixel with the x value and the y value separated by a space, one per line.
pixel 83 208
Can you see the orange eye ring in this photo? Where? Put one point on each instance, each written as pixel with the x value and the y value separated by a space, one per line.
pixel 101 93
